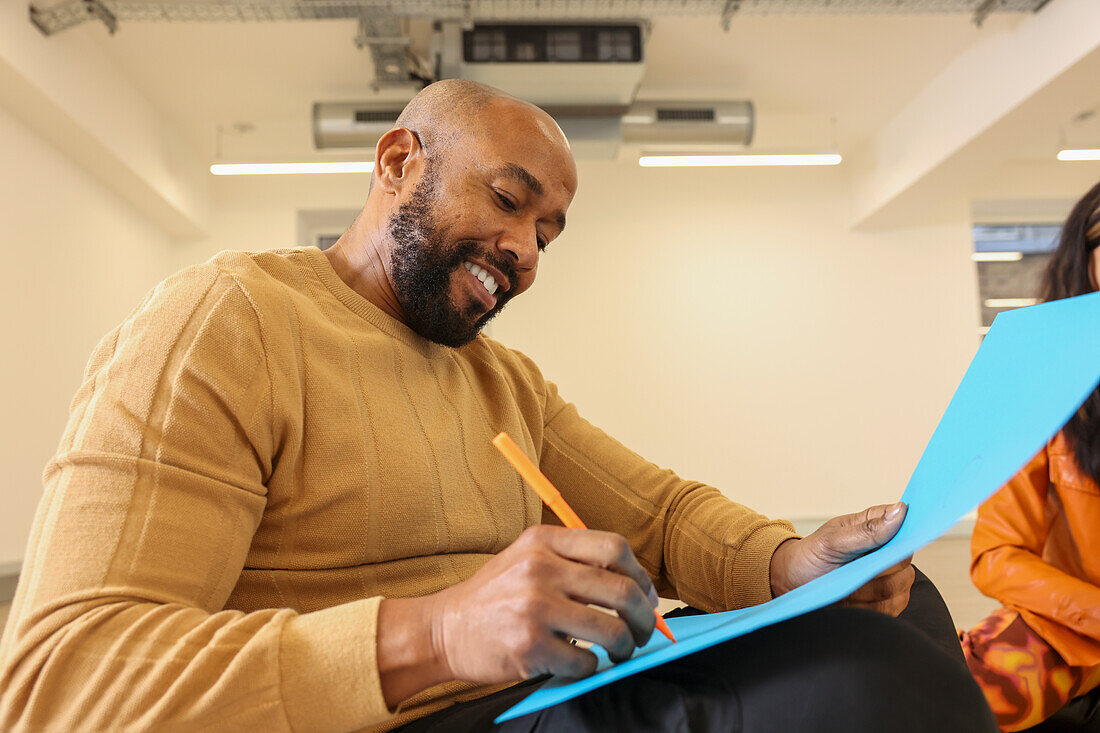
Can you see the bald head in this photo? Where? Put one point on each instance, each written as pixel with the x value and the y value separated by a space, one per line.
pixel 447 112
pixel 447 106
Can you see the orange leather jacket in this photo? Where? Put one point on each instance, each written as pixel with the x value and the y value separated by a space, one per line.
pixel 1036 549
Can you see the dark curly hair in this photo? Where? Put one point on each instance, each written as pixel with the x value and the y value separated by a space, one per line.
pixel 1069 274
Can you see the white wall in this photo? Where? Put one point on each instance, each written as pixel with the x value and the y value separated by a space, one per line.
pixel 261 212
pixel 72 94
pixel 723 322
pixel 76 260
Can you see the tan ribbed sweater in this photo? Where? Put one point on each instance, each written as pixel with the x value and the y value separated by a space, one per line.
pixel 256 457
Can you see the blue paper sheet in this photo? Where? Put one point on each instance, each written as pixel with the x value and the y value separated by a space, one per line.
pixel 1033 370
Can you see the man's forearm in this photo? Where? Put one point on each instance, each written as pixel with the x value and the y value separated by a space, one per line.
pixel 408 660
pixel 780 563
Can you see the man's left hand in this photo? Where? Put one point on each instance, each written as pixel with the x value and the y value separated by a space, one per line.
pixel 841 540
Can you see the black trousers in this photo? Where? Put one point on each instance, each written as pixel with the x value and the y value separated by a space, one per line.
pixel 836 669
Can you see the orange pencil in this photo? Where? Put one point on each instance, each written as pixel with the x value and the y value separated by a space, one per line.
pixel 546 491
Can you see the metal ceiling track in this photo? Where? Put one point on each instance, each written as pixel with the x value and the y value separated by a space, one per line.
pixel 69 13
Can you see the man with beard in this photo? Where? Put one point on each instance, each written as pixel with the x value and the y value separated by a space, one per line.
pixel 276 505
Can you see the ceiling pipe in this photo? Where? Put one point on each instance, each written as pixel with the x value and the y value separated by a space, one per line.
pixel 68 13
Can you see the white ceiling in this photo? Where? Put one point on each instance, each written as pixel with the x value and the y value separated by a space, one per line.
pixel 815 80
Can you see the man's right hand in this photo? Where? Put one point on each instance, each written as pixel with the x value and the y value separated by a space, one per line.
pixel 513 618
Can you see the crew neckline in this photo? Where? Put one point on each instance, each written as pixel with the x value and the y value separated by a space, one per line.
pixel 365 309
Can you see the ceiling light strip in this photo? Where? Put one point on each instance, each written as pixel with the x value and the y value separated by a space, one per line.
pixel 272 169
pixel 1080 154
pixel 997 256
pixel 674 161
pixel 1010 302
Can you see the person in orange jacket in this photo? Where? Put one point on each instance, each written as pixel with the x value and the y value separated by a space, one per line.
pixel 1036 548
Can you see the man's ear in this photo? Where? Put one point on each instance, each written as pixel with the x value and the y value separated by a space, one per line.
pixel 396 156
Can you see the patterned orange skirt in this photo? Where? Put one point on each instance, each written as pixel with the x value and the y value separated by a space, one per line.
pixel 1024 680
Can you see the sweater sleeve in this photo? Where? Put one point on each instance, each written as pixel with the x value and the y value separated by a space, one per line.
pixel 695 543
pixel 1007 551
pixel 148 513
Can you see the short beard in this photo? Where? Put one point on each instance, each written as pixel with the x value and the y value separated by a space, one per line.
pixel 421 268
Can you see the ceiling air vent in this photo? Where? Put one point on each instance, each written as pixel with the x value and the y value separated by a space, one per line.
pixel 551 64
pixel 553 43
pixel 375 115
pixel 680 114
pixel 689 123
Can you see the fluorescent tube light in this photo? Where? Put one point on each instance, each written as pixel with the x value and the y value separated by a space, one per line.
pixel 268 169
pixel 669 161
pixel 1010 302
pixel 1082 154
pixel 997 256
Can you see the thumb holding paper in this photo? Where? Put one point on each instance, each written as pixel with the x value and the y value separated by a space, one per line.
pixel 841 540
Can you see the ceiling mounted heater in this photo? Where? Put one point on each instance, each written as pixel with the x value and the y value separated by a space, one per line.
pixel 595 132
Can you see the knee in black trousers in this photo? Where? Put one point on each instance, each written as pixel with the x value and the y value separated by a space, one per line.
pixel 843 669
pixel 837 669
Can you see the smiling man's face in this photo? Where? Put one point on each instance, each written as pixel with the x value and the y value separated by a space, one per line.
pixel 468 237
